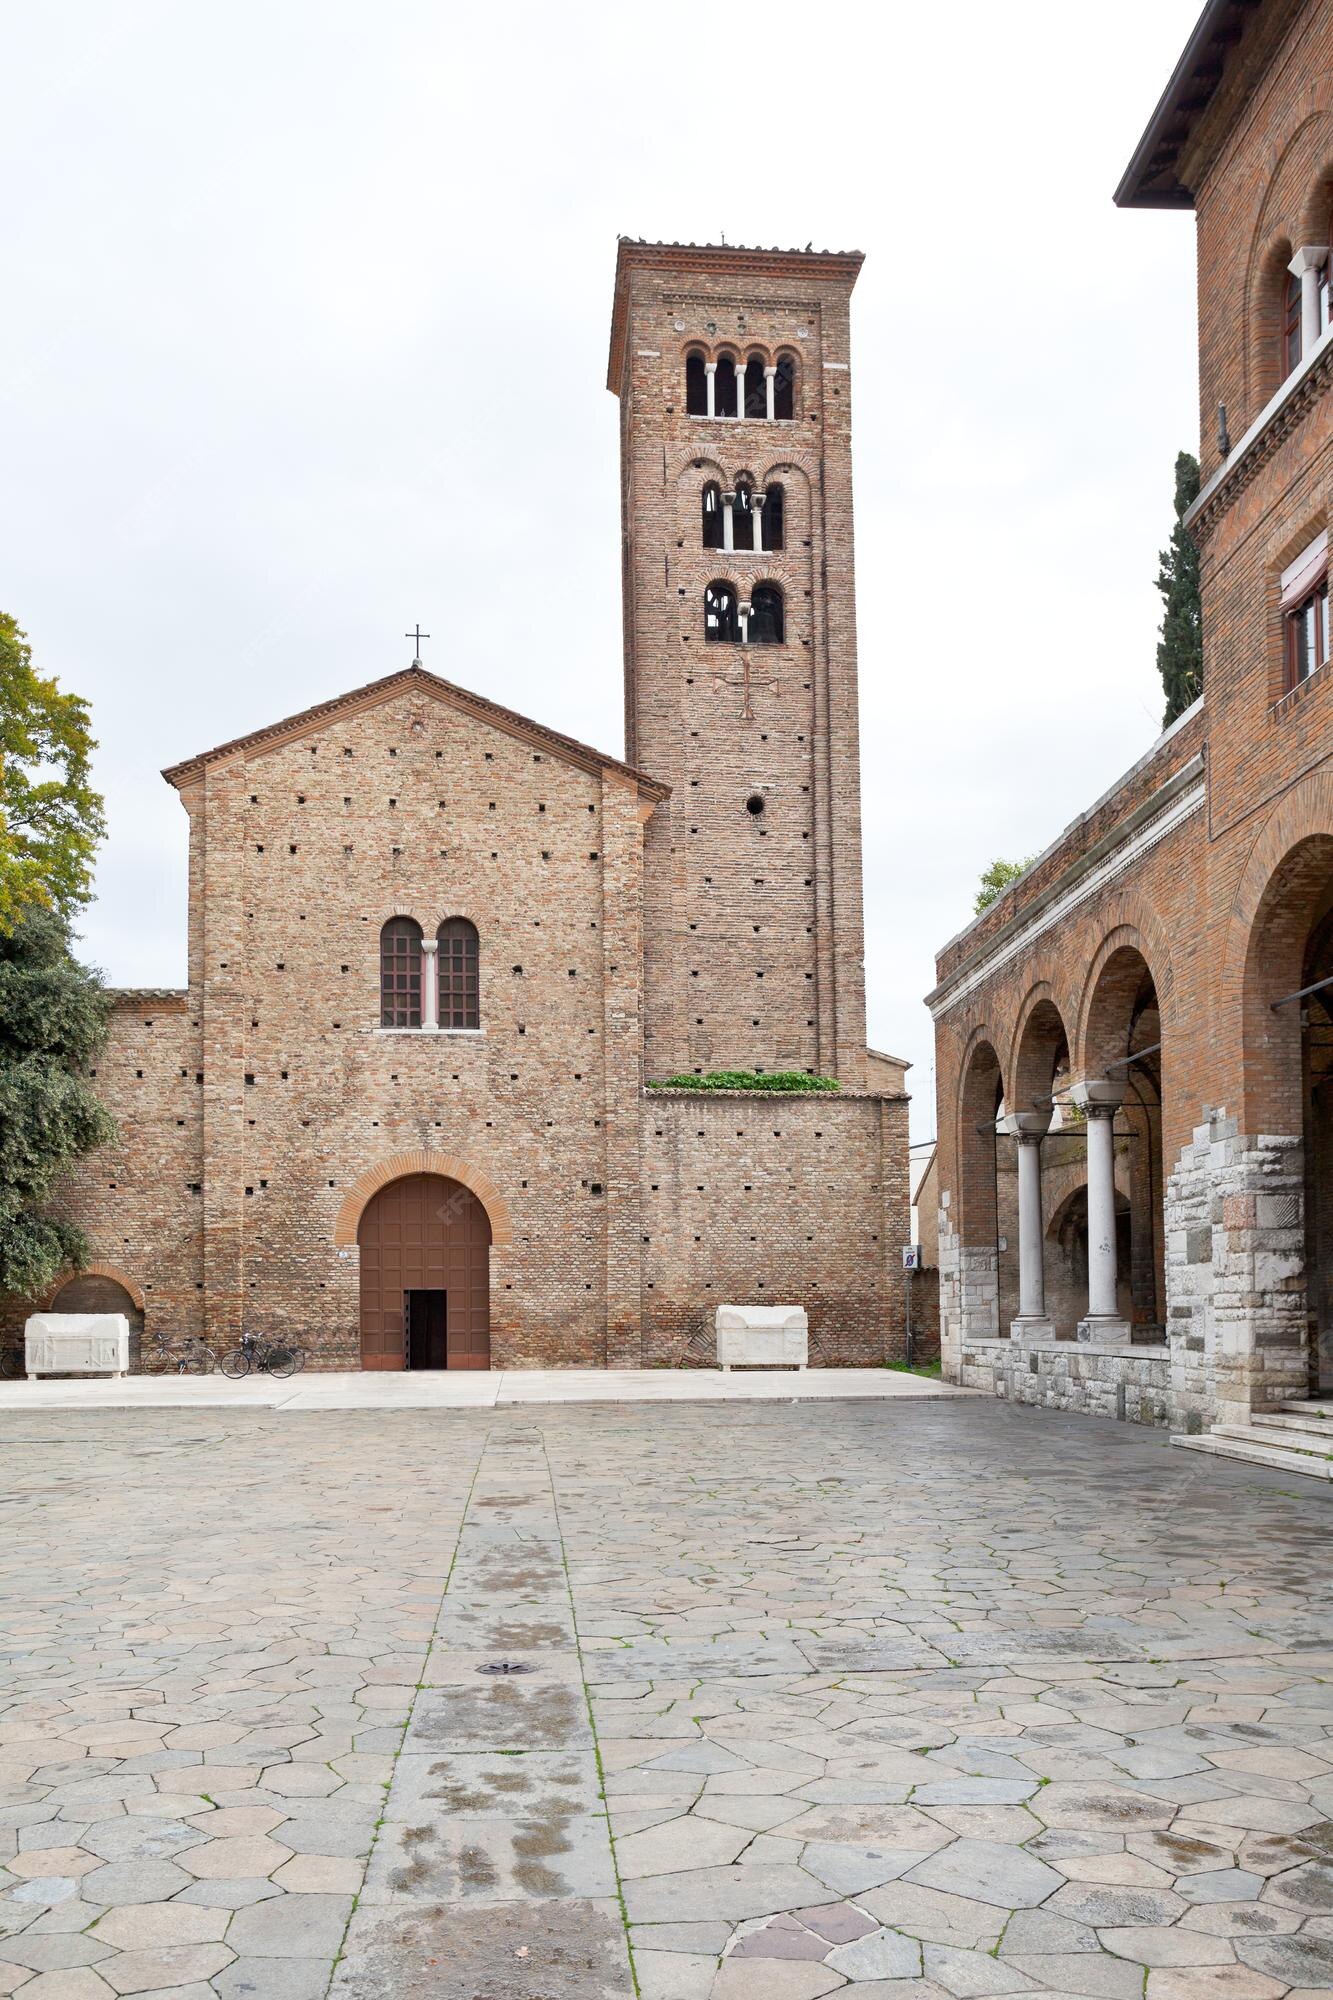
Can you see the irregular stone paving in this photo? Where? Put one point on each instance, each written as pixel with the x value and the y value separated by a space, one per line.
pixel 922 1700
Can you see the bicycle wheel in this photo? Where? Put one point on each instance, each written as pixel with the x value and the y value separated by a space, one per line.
pixel 300 1357
pixel 196 1360
pixel 235 1364
pixel 11 1364
pixel 280 1361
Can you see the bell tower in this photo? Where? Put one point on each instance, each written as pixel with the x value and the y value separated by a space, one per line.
pixel 732 369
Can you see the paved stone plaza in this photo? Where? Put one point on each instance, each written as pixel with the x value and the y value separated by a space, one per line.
pixel 936 1698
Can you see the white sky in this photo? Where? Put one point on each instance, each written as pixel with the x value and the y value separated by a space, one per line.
pixel 305 339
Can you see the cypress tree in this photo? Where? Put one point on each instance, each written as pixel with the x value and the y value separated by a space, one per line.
pixel 1180 649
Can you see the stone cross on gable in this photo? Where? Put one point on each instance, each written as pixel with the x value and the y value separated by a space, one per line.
pixel 745 681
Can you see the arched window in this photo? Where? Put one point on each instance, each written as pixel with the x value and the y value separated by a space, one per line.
pixel 460 974
pixel 712 515
pixel 1291 325
pixel 784 387
pixel 774 516
pixel 756 395
pixel 696 385
pixel 720 617
pixel 724 387
pixel 766 625
pixel 400 973
pixel 742 516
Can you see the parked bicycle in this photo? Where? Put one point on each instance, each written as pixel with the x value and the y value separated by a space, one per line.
pixel 189 1356
pixel 262 1357
pixel 13 1366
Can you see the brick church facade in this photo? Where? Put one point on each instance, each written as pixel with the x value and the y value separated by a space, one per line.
pixel 437 950
pixel 1135 1041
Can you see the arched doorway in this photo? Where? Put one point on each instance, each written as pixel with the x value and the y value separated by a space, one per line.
pixel 425 1276
pixel 1123 1044
pixel 1288 1021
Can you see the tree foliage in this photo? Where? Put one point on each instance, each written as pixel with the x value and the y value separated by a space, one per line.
pixel 53 1021
pixel 1180 649
pixel 794 1080
pixel 998 876
pixel 50 817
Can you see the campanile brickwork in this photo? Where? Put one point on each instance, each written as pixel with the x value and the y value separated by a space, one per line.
pixel 753 926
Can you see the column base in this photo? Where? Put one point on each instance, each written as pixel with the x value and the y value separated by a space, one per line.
pixel 1031 1328
pixel 1106 1329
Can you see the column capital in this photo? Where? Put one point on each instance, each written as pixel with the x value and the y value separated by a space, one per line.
pixel 1028 1127
pixel 710 368
pixel 1308 258
pixel 430 944
pixel 769 371
pixel 1098 1096
pixel 758 497
pixel 729 499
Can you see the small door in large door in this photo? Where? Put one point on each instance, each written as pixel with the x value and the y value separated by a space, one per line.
pixel 426 1329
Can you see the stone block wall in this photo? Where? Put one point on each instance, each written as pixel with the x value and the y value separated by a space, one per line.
pixel 1072 1375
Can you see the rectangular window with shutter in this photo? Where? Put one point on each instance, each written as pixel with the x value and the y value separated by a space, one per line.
pixel 1305 611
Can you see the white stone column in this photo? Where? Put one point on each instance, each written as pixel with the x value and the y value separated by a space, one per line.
pixel 770 378
pixel 757 511
pixel 743 615
pixel 1306 265
pixel 430 991
pixel 740 389
pixel 1101 1099
pixel 710 387
pixel 728 521
pixel 1029 1128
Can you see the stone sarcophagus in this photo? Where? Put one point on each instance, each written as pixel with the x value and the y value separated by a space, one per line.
pixel 762 1337
pixel 76 1344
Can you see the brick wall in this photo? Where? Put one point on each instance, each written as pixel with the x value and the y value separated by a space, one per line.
pixel 1211 862
pixel 753 935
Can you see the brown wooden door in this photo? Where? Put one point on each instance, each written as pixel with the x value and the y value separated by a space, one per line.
pixel 425 1233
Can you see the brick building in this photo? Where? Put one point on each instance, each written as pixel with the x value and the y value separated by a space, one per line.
pixel 436 948
pixel 1135 1040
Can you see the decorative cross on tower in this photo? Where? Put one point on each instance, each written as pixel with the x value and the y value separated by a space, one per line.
pixel 745 682
pixel 418 635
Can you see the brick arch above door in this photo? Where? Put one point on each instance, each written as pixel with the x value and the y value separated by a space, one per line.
pixel 372 1179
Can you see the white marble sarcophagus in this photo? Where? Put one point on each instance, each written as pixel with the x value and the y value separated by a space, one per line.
pixel 762 1337
pixel 76 1344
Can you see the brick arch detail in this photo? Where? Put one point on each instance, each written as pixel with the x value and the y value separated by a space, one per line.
pixel 1282 216
pixel 112 1271
pixel 1304 813
pixel 1131 924
pixel 1042 988
pixel 370 1182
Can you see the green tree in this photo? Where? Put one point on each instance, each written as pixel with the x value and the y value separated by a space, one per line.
pixel 53 1021
pixel 50 817
pixel 1180 649
pixel 998 876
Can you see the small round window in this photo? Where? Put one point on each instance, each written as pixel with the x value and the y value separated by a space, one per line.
pixel 754 804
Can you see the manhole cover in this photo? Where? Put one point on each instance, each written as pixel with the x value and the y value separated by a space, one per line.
pixel 504 1667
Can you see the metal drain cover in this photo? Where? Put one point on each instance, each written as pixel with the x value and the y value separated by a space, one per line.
pixel 504 1667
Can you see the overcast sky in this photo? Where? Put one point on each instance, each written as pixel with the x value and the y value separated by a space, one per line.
pixel 305 339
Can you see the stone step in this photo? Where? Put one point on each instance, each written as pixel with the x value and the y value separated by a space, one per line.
pixel 1296 1418
pixel 1239 1442
pixel 1312 1406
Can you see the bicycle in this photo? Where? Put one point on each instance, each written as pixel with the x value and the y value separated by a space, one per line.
pixel 192 1356
pixel 262 1356
pixel 13 1365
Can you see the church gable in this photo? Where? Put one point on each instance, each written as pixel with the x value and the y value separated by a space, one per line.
pixel 416 693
